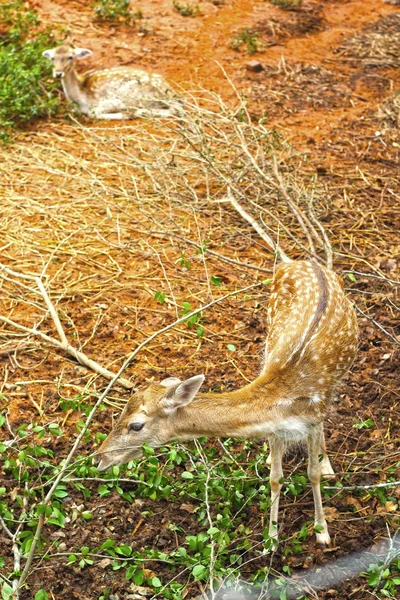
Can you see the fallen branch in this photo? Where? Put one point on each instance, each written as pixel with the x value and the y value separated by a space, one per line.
pixel 362 487
pixel 79 356
pixel 263 234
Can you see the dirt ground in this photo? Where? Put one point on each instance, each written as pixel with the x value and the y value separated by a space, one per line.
pixel 70 210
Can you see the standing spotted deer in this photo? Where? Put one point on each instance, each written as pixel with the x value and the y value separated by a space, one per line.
pixel 118 93
pixel 311 344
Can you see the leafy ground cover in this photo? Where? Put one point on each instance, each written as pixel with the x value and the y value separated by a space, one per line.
pixel 26 89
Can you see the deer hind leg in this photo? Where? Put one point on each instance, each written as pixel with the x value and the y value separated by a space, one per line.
pixel 326 467
pixel 314 475
pixel 276 452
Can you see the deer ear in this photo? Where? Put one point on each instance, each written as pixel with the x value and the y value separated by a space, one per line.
pixel 82 52
pixel 170 382
pixel 48 54
pixel 183 394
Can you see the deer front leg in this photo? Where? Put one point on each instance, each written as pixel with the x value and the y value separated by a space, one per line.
pixel 326 467
pixel 314 475
pixel 276 447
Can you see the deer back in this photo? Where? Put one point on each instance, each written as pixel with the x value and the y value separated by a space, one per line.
pixel 313 333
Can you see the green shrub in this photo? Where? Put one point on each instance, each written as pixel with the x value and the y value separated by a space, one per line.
pixel 187 10
pixel 247 37
pixel 113 10
pixel 26 91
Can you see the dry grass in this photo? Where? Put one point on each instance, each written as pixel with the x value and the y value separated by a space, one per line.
pixel 377 45
pixel 87 208
pixel 107 217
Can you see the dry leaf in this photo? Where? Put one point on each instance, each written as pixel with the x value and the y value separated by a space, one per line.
pixel 389 507
pixel 188 507
pixel 103 564
pixel 331 513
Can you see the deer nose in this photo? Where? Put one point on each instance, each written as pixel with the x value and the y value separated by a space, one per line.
pixel 58 74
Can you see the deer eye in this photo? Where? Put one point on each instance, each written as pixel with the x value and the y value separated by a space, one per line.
pixel 70 57
pixel 135 426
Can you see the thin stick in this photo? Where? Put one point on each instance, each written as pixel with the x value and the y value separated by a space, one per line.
pixel 53 312
pixel 208 251
pixel 16 552
pixel 263 234
pixel 15 274
pixel 396 341
pixel 363 487
pixel 77 354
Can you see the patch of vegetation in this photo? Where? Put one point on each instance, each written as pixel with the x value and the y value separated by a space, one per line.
pixel 218 485
pixel 187 10
pixel 249 38
pixel 115 10
pixel 385 577
pixel 287 4
pixel 26 89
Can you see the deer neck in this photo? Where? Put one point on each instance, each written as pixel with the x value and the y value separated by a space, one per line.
pixel 73 89
pixel 252 411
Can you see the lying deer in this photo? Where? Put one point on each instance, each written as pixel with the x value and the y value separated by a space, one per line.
pixel 311 344
pixel 118 93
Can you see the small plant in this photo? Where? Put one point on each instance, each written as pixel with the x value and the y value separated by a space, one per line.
pixel 113 10
pixel 287 4
pixel 26 90
pixel 385 577
pixel 367 424
pixel 247 37
pixel 187 10
pixel 193 321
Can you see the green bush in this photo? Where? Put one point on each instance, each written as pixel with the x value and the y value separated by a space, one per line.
pixel 26 91
pixel 187 10
pixel 249 38
pixel 113 10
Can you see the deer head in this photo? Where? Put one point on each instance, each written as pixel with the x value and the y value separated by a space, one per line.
pixel 148 418
pixel 64 57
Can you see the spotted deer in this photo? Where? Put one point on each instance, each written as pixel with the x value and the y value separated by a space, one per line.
pixel 117 93
pixel 311 344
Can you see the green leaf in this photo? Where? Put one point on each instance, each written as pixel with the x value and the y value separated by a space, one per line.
pixel 107 544
pixel 351 277
pixel 200 331
pixel 41 595
pixel 231 347
pixel 159 297
pixel 71 559
pixel 267 281
pixel 187 475
pixel 60 493
pixel 199 571
pixel 138 577
pixel 215 280
pixel 155 582
pixel 87 515
pixel 124 550
pixel 6 591
pixel 103 490
pixel 213 530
